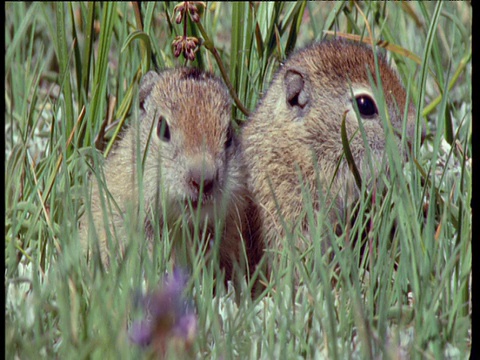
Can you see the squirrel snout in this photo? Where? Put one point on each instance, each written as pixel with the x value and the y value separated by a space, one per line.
pixel 195 183
pixel 202 178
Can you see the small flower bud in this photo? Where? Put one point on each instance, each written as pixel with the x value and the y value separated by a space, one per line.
pixel 179 17
pixel 190 54
pixel 178 45
pixel 179 7
pixel 195 17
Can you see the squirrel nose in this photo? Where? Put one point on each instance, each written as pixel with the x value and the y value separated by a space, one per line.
pixel 195 182
pixel 202 175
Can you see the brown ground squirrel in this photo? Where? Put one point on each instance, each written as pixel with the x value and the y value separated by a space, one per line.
pixel 190 154
pixel 299 120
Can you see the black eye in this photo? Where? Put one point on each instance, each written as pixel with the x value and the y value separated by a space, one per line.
pixel 163 132
pixel 366 105
pixel 229 140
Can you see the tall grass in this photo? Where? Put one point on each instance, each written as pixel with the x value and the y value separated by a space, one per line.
pixel 70 67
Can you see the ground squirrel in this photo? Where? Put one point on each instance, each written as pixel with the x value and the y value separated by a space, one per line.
pixel 190 154
pixel 298 122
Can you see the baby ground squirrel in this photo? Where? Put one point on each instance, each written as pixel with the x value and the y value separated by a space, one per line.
pixel 298 123
pixel 190 155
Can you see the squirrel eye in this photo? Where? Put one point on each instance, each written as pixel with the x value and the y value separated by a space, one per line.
pixel 366 105
pixel 163 132
pixel 229 140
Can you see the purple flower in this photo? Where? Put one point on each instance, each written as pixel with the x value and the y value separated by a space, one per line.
pixel 169 317
pixel 141 333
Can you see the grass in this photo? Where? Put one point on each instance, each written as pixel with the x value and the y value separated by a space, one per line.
pixel 409 298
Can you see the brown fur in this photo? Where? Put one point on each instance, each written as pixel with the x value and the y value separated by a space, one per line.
pixel 299 120
pixel 201 146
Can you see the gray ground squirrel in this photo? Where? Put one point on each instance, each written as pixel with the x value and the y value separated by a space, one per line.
pixel 192 154
pixel 298 122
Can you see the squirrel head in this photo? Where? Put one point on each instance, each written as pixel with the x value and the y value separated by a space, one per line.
pixel 186 120
pixel 295 135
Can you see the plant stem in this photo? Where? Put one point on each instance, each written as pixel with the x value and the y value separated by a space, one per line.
pixel 208 43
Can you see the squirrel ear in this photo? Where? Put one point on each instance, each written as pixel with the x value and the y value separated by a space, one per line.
pixel 296 88
pixel 146 85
